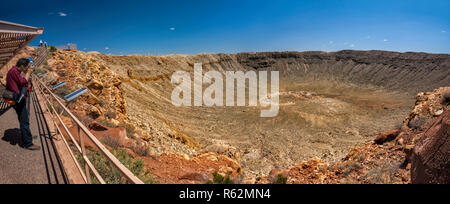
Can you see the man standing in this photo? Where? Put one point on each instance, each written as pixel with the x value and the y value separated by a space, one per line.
pixel 15 83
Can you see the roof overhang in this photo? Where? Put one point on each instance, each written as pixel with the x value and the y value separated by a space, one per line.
pixel 13 38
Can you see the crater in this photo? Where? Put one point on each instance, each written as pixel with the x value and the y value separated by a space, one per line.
pixel 329 102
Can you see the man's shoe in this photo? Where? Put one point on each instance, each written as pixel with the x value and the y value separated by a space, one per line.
pixel 33 148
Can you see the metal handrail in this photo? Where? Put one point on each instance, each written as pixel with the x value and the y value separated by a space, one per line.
pixel 81 147
pixel 42 53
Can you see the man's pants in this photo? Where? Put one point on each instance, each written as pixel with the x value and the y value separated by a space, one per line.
pixel 22 114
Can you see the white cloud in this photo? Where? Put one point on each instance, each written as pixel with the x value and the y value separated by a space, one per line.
pixel 331 42
pixel 385 40
pixel 106 48
pixel 443 31
pixel 172 29
pixel 62 14
pixel 352 45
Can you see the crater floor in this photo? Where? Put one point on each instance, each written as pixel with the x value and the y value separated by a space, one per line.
pixel 317 119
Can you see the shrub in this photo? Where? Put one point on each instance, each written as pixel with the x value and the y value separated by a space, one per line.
pixel 219 179
pixel 348 168
pixel 101 102
pixel 39 71
pixel 107 124
pixel 129 128
pixel 112 175
pixel 384 174
pixel 58 109
pixel 50 68
pixel 86 120
pixel 62 73
pixel 52 49
pixel 281 179
pixel 111 141
pixel 111 114
pixel 50 109
pixel 62 91
pixel 140 149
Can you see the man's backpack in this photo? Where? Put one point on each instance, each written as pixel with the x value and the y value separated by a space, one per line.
pixel 7 95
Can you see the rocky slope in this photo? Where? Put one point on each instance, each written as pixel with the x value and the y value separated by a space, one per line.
pixel 330 102
pixel 410 72
pixel 416 153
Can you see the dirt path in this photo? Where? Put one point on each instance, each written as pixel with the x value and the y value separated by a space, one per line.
pixel 21 166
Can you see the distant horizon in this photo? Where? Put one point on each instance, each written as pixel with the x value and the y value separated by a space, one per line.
pixel 234 26
pixel 260 52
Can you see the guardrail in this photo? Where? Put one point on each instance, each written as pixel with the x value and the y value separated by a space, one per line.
pixel 88 166
pixel 42 53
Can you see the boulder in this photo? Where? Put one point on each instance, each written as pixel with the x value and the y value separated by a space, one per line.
pixel 195 177
pixel 91 99
pixel 249 181
pixel 387 136
pixel 113 137
pixel 180 169
pixel 314 171
pixel 430 157
pixel 67 121
pixel 97 127
pixel 114 122
pixel 418 122
pixel 95 86
pixel 94 112
pixel 222 149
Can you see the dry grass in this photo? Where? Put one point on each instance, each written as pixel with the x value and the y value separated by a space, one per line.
pixel 140 149
pixel 111 141
pixel 350 167
pixel 384 174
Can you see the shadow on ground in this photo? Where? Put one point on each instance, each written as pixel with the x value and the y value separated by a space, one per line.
pixel 13 137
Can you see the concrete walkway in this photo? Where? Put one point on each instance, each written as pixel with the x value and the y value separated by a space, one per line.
pixel 21 166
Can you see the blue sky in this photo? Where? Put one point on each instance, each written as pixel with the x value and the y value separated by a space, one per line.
pixel 231 26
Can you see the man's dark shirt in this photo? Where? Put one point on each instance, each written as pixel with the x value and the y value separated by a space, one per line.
pixel 14 81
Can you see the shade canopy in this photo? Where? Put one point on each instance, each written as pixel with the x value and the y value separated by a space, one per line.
pixel 14 37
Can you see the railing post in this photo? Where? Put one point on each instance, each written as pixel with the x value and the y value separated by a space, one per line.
pixel 83 154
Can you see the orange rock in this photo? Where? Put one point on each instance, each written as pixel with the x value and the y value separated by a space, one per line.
pixel 387 136
pixel 430 158
pixel 177 169
pixel 249 181
pixel 113 137
pixel 314 171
